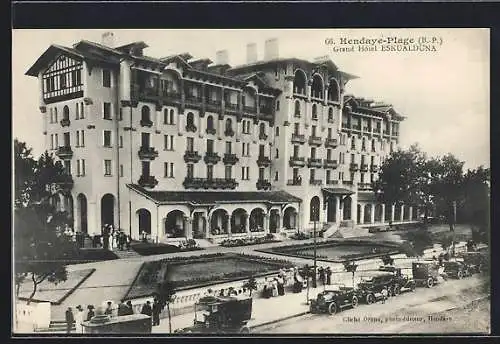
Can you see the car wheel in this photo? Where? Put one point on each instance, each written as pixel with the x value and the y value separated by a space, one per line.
pixel 430 282
pixel 460 275
pixel 370 299
pixel 245 330
pixel 397 290
pixel 355 302
pixel 332 308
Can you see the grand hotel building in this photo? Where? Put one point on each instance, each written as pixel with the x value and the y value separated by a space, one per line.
pixel 185 148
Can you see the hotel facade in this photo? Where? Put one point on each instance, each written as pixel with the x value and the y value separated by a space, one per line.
pixel 188 148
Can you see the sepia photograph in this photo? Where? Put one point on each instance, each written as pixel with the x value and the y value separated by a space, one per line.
pixel 177 182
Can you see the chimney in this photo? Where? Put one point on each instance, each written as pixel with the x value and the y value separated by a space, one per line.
pixel 271 49
pixel 251 53
pixel 221 57
pixel 108 39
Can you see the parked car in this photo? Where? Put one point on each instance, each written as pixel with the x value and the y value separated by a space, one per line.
pixel 371 285
pixel 334 300
pixel 456 269
pixel 425 273
pixel 402 282
pixel 476 261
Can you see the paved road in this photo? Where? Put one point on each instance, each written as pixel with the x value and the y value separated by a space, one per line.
pixel 398 315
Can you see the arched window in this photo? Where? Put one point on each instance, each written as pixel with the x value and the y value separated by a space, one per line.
pixel 330 115
pixel 299 82
pixel 171 113
pixel 363 144
pixel 373 145
pixel 317 87
pixel 314 112
pixel 262 129
pixel 333 91
pixel 297 108
pixel 77 114
pixel 82 114
pixel 55 114
pixel 66 112
pixel 229 125
pixel 165 117
pixel 277 131
pixel 353 142
pixel 145 113
pixel 210 123
pixel 314 209
pixel 190 119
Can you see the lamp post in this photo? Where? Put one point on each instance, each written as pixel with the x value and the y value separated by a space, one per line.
pixel 315 215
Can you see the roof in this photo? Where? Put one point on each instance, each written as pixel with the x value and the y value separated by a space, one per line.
pixel 215 197
pixel 338 191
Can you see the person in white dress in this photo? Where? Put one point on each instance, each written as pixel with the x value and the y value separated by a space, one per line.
pixel 79 318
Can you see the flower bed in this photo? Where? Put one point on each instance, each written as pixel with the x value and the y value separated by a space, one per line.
pixel 199 271
pixel 248 241
pixel 87 255
pixel 149 249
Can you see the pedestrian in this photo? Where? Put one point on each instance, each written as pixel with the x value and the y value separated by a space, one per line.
pixel 221 292
pixel 328 272
pixel 90 313
pixel 321 273
pixel 274 284
pixel 281 286
pixel 146 309
pixel 156 312
pixel 79 316
pixel 384 294
pixel 70 319
pixel 122 309
pixel 130 308
pixel 109 308
pixel 129 241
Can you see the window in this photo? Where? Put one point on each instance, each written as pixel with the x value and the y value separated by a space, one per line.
pixel 329 133
pixel 228 172
pixel 352 176
pixel 77 138
pixel 278 105
pixel 295 174
pixel 363 144
pixel 229 126
pixel 121 141
pixel 171 115
pixel 67 167
pixel 295 151
pixel 210 123
pixel 312 174
pixel 145 139
pixel 80 167
pixel 392 147
pixel 342 158
pixel 82 138
pixel 313 131
pixel 353 143
pixel 120 115
pixel 62 81
pixel 362 181
pixel 372 160
pixel 262 129
pixel 328 154
pixel 56 141
pixel 245 173
pixel 190 144
pixel 228 147
pixel 261 150
pixel 297 108
pixel 246 149
pixel 121 170
pixel 106 78
pixel 107 110
pixel 277 131
pixel 190 171
pixel 276 176
pixel 210 172
pixel 145 114
pixel 145 168
pixel 372 177
pixel 330 115
pixel 82 113
pixel 210 146
pixel 296 128
pixel 277 154
pixel 107 167
pixel 314 112
pixel 77 111
pixel 107 138
pixel 66 112
pixel 190 120
pixel 168 142
pixel 341 176
pixel 373 145
pixel 261 173
pixel 352 159
pixel 313 153
pixel 362 160
pixel 169 170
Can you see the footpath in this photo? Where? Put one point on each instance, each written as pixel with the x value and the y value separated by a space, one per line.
pixel 264 311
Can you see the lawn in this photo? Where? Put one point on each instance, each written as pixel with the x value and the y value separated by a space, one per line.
pixel 204 270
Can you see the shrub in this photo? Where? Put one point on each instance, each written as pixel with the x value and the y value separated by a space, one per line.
pixel 91 254
pixel 248 241
pixel 299 236
pixel 148 249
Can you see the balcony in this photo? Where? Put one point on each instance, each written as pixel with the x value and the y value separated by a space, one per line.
pixel 190 128
pixel 192 156
pixel 64 152
pixel 353 167
pixel 386 132
pixel 193 99
pixel 266 110
pixel 315 182
pixel 332 182
pixel 313 162
pixel 330 163
pixel 214 105
pixel 249 109
pixel 367 129
pixel 356 127
pixel 263 136
pixel 211 131
pixel 364 186
pixel 297 162
pixel 348 182
pixel 146 123
pixel 376 131
pixel 147 153
pixel 263 161
pixel 216 183
pixel 364 168
pixel 263 184
pixel 315 141
pixel 171 95
pixel 230 159
pixel 374 168
pixel 331 143
pixel 65 122
pixel 229 132
pixel 231 106
pixel 297 138
pixel 147 181
pixel 296 181
pixel 211 158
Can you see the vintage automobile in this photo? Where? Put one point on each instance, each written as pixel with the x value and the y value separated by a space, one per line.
pixel 425 272
pixel 402 282
pixel 371 285
pixel 477 261
pixel 456 269
pixel 221 314
pixel 334 300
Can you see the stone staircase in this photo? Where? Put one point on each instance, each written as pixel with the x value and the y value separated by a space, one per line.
pixel 56 326
pixel 126 254
pixel 204 243
pixel 329 230
pixel 347 229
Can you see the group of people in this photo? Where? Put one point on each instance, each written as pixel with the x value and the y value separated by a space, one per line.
pixel 112 239
pixel 78 318
pixel 152 311
pixel 273 287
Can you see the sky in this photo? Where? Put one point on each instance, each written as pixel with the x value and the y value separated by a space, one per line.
pixel 443 94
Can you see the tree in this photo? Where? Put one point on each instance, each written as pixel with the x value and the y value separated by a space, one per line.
pixel 165 293
pixel 351 267
pixel 401 177
pixel 251 285
pixel 416 242
pixel 445 184
pixel 41 253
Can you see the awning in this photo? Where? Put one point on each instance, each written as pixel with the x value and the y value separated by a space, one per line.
pixel 337 191
pixel 215 197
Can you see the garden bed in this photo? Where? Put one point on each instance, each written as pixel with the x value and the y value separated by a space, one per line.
pixel 201 271
pixel 149 249
pixel 248 241
pixel 88 255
